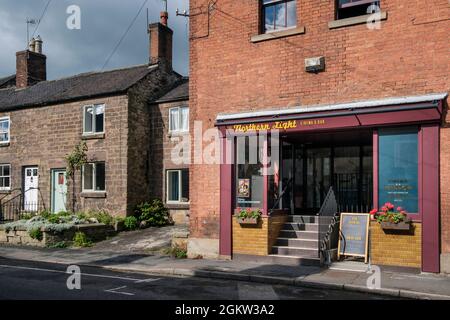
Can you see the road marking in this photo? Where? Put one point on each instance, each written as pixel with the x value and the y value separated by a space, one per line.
pixel 114 290
pixel 256 292
pixel 83 274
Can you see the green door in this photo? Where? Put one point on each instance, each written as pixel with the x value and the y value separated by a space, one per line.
pixel 59 190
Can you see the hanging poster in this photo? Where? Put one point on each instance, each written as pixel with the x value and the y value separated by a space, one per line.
pixel 244 188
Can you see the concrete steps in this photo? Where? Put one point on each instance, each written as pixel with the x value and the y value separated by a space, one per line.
pixel 298 240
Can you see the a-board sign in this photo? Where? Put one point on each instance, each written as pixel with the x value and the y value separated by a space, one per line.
pixel 354 235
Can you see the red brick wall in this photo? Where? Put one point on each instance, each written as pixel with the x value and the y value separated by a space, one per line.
pixel 409 55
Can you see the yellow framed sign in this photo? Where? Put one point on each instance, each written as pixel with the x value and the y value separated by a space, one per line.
pixel 354 235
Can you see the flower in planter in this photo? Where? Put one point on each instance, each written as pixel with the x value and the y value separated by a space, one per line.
pixel 388 214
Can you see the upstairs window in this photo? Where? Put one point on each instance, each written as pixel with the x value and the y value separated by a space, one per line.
pixel 353 8
pixel 94 119
pixel 4 130
pixel 278 14
pixel 179 119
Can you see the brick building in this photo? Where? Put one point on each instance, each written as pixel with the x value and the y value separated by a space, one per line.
pixel 41 122
pixel 358 90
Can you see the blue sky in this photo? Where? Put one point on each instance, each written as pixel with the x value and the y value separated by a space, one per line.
pixel 103 22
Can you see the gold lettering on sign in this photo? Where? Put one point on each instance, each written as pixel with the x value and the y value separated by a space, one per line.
pixel 313 122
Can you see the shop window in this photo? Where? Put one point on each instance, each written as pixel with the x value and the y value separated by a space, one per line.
pixel 178 186
pixel 398 168
pixel 93 176
pixel 5 177
pixel 4 130
pixel 249 172
pixel 179 119
pixel 353 8
pixel 278 15
pixel 93 119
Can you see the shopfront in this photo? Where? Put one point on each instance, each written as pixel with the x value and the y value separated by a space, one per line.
pixel 284 162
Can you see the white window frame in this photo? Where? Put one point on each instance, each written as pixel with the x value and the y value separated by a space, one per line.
pixel 179 120
pixel 94 177
pixel 2 119
pixel 180 184
pixel 6 188
pixel 94 106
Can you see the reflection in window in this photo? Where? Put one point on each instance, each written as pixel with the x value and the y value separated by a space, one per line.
pixel 4 130
pixel 178 186
pixel 280 14
pixel 249 173
pixel 354 8
pixel 94 119
pixel 93 175
pixel 398 168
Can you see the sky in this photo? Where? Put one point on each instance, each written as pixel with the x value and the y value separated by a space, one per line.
pixel 103 22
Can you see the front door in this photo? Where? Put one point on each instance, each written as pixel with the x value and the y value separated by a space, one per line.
pixel 59 190
pixel 31 183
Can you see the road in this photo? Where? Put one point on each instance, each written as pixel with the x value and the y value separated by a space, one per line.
pixel 45 281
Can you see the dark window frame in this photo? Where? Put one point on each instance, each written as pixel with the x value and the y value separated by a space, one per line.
pixel 352 4
pixel 273 3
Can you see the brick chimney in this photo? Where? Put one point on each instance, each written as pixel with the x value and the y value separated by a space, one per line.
pixel 31 65
pixel 161 42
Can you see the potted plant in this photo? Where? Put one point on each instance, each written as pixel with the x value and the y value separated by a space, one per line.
pixel 391 219
pixel 248 216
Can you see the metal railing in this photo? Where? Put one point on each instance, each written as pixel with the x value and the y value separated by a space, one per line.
pixel 13 206
pixel 328 235
pixel 354 192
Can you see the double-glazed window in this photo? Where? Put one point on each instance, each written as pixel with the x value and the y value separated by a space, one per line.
pixel 4 130
pixel 178 186
pixel 279 14
pixel 94 119
pixel 354 8
pixel 179 119
pixel 93 176
pixel 5 176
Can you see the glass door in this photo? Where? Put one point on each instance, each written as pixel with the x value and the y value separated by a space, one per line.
pixel 318 177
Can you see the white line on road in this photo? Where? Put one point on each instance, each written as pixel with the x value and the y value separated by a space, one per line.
pixel 114 290
pixel 83 274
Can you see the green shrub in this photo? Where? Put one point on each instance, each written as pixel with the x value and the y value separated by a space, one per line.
pixel 54 218
pixel 81 240
pixel 101 216
pixel 60 245
pixel 36 234
pixel 130 223
pixel 26 216
pixel 45 214
pixel 154 213
pixel 178 252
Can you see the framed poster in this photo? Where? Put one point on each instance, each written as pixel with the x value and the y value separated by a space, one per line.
pixel 244 188
pixel 354 235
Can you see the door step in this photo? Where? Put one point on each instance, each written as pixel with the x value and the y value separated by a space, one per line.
pixel 295 251
pixel 301 226
pixel 298 243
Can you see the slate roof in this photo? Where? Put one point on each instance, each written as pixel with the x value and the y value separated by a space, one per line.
pixel 180 92
pixel 7 79
pixel 81 86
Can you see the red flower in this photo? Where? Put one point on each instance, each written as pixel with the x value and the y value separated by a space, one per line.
pixel 389 205
pixel 384 209
pixel 373 212
pixel 399 209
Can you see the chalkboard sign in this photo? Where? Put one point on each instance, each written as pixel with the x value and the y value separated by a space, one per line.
pixel 354 236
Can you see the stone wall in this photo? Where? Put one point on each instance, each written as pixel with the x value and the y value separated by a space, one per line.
pixel 94 232
pixel 396 248
pixel 43 136
pixel 162 144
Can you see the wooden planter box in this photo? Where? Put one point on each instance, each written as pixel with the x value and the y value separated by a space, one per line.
pixel 248 221
pixel 404 225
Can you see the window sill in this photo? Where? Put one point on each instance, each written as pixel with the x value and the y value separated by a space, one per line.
pixel 93 194
pixel 178 205
pixel 178 133
pixel 92 136
pixel 354 20
pixel 4 144
pixel 5 191
pixel 278 34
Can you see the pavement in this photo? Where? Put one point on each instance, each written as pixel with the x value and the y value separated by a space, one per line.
pixel 30 280
pixel 352 277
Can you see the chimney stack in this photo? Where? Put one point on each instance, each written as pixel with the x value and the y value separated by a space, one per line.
pixel 161 42
pixel 31 65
